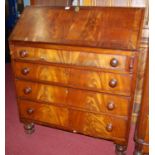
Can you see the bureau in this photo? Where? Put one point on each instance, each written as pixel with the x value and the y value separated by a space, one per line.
pixel 76 69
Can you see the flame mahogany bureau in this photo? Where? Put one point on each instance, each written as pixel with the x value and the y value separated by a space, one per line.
pixel 76 70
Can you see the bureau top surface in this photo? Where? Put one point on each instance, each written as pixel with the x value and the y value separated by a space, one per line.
pixel 102 27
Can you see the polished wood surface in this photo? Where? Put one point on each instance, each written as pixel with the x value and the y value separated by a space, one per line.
pixel 65 75
pixel 78 121
pixel 142 130
pixel 105 27
pixel 143 45
pixel 78 58
pixel 76 98
pixel 84 79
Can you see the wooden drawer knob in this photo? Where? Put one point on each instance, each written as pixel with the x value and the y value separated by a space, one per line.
pixel 25 71
pixel 114 62
pixel 109 127
pixel 111 106
pixel 113 83
pixel 27 90
pixel 23 53
pixel 30 111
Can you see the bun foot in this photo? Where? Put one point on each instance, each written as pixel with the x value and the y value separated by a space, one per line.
pixel 29 128
pixel 120 149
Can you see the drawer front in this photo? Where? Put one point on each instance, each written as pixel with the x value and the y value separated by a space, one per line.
pixel 75 98
pixel 99 102
pixel 96 125
pixel 99 81
pixel 44 113
pixel 41 92
pixel 106 61
pixel 41 72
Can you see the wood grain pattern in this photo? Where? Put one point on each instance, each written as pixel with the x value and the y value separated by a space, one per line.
pixel 85 100
pixel 143 45
pixel 100 81
pixel 42 72
pixel 45 113
pixel 70 80
pixel 87 28
pixel 142 130
pixel 86 123
pixel 95 125
pixel 99 102
pixel 77 58
pixel 42 92
pixel 83 79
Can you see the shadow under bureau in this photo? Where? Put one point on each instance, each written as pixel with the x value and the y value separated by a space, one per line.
pixel 76 71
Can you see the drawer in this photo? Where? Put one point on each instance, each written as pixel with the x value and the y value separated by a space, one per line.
pixel 96 125
pixel 44 113
pixel 85 79
pixel 77 58
pixel 75 98
pixel 42 92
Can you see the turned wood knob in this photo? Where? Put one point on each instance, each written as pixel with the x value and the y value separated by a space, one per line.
pixel 111 106
pixel 23 53
pixel 27 90
pixel 109 127
pixel 113 83
pixel 114 62
pixel 30 111
pixel 25 71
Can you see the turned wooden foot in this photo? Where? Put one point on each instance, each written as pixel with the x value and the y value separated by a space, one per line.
pixel 120 149
pixel 29 128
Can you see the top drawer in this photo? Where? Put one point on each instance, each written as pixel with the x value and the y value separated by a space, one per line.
pixel 103 61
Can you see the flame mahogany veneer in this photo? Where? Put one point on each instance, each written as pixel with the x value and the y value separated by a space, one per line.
pixel 76 71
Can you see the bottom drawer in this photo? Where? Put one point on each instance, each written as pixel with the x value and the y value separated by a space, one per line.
pixel 87 123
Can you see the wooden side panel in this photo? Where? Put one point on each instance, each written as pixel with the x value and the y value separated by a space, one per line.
pixel 74 98
pixel 74 58
pixel 142 130
pixel 86 123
